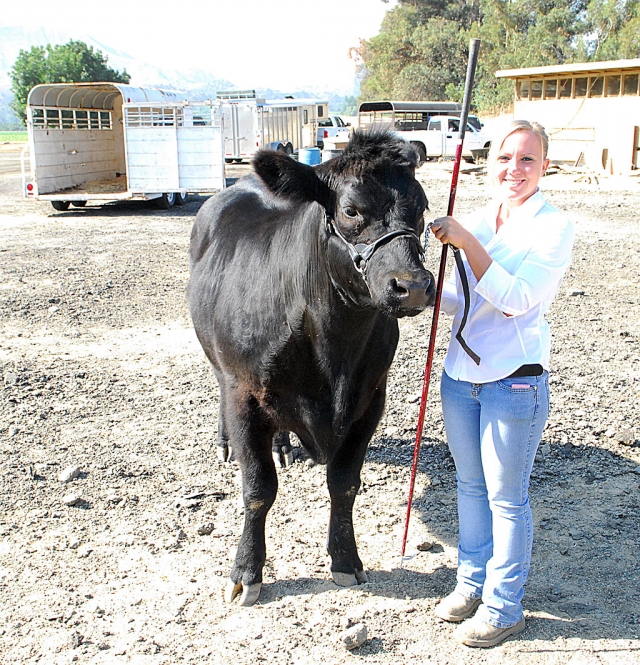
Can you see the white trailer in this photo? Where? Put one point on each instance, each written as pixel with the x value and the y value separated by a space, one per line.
pixel 251 123
pixel 107 141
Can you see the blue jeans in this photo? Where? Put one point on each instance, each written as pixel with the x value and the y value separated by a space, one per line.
pixel 493 430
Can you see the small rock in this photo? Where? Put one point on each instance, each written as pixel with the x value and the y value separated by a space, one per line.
pixel 12 431
pixel 72 500
pixel 74 544
pixel 576 292
pixel 76 640
pixel 391 431
pixel 205 529
pixel 181 502
pixel 610 432
pixel 354 637
pixel 425 546
pixel 112 497
pixel 53 309
pixel 69 474
pixel 84 551
pixel 576 534
pixel 10 378
pixel 309 463
pixel 626 436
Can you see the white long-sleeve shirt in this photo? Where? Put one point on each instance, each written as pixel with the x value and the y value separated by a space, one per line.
pixel 530 254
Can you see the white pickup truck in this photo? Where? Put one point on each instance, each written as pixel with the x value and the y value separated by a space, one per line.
pixel 333 126
pixel 441 136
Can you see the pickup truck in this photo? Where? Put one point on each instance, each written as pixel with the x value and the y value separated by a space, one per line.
pixel 331 127
pixel 441 136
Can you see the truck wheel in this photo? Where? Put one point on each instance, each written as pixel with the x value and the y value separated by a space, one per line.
pixel 60 205
pixel 167 200
pixel 422 152
pixel 78 204
pixel 227 160
pixel 181 198
pixel 288 149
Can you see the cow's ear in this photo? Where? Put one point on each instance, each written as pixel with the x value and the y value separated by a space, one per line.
pixel 289 179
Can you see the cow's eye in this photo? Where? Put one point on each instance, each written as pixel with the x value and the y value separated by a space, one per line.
pixel 350 212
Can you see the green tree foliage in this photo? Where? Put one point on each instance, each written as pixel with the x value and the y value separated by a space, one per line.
pixel 421 50
pixel 71 62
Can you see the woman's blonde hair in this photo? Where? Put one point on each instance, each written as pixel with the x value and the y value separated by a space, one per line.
pixel 511 128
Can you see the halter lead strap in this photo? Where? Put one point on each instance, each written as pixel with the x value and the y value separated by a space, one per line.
pixel 467 303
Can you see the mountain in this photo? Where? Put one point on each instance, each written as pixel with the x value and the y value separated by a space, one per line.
pixel 198 83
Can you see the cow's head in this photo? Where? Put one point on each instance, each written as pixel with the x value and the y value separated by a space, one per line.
pixel 374 208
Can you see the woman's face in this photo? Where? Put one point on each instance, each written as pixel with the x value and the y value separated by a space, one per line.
pixel 519 166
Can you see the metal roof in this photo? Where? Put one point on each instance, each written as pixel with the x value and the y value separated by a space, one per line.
pixel 95 95
pixel 408 106
pixel 574 68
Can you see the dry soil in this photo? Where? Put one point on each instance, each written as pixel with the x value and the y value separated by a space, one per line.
pixel 100 370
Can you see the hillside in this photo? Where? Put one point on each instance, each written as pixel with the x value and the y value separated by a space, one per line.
pixel 200 83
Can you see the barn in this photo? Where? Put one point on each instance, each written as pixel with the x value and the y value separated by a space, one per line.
pixel 591 111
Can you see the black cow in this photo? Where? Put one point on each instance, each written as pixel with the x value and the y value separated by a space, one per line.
pixel 298 276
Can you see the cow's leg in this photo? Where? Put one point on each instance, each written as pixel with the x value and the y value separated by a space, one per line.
pixel 282 451
pixel 343 479
pixel 251 439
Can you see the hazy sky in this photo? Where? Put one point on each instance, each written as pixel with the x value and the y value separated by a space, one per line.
pixel 253 43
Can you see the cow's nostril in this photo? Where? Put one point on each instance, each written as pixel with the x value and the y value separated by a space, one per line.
pixel 401 287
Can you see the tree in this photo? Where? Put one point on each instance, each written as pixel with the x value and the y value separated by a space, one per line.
pixel 421 50
pixel 71 62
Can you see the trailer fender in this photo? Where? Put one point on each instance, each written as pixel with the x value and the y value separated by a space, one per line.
pixel 279 146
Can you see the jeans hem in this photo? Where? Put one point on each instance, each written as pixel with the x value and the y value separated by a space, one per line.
pixel 467 593
pixel 501 625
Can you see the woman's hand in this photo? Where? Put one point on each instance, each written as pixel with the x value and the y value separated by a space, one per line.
pixel 448 230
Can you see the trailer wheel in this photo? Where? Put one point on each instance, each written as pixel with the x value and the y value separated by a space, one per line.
pixel 167 200
pixel 238 161
pixel 288 149
pixel 228 160
pixel 181 198
pixel 78 204
pixel 60 205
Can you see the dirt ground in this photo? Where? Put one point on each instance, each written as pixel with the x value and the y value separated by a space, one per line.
pixel 101 370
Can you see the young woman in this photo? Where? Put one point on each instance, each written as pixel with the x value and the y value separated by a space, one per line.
pixel 516 251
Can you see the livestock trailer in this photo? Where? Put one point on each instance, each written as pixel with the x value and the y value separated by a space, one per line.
pixel 107 141
pixel 251 123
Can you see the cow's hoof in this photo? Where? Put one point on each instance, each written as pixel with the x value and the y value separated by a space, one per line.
pixel 249 595
pixel 349 579
pixel 283 460
pixel 224 453
pixel 361 576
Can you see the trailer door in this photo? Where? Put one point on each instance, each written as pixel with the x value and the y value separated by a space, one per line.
pixel 239 130
pixel 200 148
pixel 152 148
